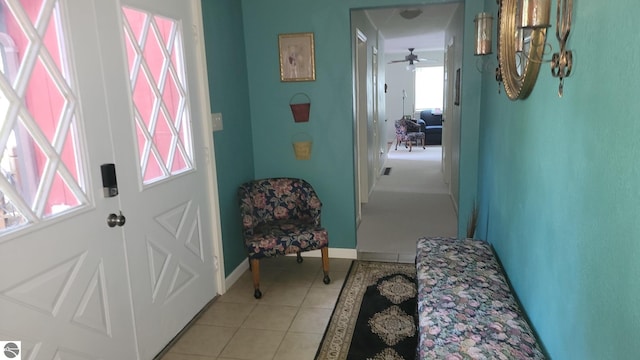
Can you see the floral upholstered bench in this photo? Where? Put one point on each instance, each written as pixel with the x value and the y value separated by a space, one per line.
pixel 465 306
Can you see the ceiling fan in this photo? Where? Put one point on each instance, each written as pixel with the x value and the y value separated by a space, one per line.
pixel 410 58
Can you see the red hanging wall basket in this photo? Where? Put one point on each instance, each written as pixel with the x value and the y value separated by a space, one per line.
pixel 300 110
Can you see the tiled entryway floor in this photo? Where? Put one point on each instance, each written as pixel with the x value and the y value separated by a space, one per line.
pixel 287 323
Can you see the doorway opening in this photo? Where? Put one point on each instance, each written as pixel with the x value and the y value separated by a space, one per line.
pixel 397 211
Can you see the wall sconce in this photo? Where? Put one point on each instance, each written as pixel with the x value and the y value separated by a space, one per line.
pixel 562 61
pixel 535 14
pixel 522 28
pixel 483 38
pixel 484 25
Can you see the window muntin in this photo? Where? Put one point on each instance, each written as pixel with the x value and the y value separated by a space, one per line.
pixel 41 163
pixel 159 92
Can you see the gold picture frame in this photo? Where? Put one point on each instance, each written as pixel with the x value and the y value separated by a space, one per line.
pixel 297 57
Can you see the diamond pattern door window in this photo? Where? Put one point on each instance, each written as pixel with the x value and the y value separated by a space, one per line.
pixel 41 158
pixel 159 94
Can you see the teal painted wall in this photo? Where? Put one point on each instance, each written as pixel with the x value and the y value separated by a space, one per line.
pixel 470 97
pixel 242 54
pixel 229 92
pixel 330 169
pixel 559 188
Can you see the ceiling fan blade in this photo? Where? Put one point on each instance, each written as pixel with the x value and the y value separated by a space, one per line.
pixel 411 58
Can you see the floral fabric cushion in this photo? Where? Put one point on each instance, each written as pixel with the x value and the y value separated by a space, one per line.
pixel 280 216
pixel 407 130
pixel 465 306
pixel 413 136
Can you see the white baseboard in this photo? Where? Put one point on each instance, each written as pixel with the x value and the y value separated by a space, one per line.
pixel 235 275
pixel 335 253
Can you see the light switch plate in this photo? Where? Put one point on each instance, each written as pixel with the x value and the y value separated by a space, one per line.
pixel 216 121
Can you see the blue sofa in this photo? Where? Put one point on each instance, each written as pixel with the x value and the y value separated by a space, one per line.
pixel 431 125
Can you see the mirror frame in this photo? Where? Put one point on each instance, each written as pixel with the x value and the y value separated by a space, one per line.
pixel 518 85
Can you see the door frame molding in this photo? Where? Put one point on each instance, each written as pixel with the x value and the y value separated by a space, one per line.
pixel 360 113
pixel 211 171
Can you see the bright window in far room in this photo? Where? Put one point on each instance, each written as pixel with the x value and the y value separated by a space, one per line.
pixel 429 87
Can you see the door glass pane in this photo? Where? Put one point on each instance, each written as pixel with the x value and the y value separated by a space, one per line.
pixel 158 92
pixel 41 155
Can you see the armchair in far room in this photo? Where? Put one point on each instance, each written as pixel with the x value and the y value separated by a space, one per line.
pixel 432 126
pixel 408 131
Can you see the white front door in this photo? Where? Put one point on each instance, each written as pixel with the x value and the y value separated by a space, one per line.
pixel 165 158
pixel 70 286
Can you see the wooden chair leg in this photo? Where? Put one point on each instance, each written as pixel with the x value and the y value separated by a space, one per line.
pixel 325 264
pixel 299 257
pixel 255 272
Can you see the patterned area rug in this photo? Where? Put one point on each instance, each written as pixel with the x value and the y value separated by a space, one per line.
pixel 375 316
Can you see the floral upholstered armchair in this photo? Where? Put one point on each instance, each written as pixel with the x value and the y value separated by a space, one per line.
pixel 408 131
pixel 281 216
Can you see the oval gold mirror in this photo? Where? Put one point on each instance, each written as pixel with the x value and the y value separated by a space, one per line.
pixel 520 50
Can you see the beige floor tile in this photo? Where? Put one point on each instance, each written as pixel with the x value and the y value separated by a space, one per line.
pixel 297 346
pixel 311 320
pixel 339 264
pixel 275 262
pixel 280 294
pixel 294 274
pixel 309 265
pixel 203 340
pixel 270 317
pixel 319 297
pixel 337 279
pixel 245 278
pixel 270 276
pixel 240 293
pixel 290 263
pixel 301 278
pixel 171 356
pixel 253 344
pixel 267 279
pixel 226 314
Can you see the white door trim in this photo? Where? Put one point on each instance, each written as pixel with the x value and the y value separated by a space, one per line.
pixel 214 200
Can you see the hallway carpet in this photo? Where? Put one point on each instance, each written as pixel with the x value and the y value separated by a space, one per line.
pixel 411 202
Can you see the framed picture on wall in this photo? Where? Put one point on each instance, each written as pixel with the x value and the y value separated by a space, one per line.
pixel 297 57
pixel 457 88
